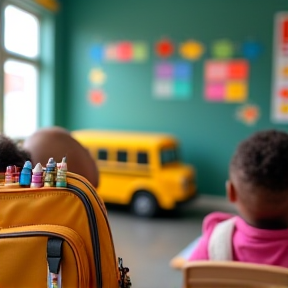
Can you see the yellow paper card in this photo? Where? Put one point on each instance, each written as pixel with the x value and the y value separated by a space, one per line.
pixel 191 50
pixel 97 76
pixel 283 108
pixel 236 91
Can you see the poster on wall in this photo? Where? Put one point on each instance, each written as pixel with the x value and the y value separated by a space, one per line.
pixel 119 52
pixel 226 80
pixel 172 80
pixel 280 66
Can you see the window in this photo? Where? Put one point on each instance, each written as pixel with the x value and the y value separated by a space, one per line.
pixel 21 72
pixel 27 72
pixel 121 156
pixel 102 154
pixel 21 32
pixel 20 99
pixel 142 158
pixel 169 155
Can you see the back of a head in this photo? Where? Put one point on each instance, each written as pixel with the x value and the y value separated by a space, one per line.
pixel 57 142
pixel 262 160
pixel 10 154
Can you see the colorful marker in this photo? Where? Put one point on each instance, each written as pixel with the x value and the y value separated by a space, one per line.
pixel 17 174
pixel 9 179
pixel 25 175
pixel 50 174
pixel 37 176
pixel 61 180
pixel 12 174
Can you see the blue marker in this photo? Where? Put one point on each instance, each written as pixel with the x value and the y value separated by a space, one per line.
pixel 26 174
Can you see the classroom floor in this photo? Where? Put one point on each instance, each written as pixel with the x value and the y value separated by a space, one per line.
pixel 147 246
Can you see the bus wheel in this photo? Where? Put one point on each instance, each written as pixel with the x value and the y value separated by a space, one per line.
pixel 144 204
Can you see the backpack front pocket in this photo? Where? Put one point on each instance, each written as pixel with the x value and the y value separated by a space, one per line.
pixel 23 257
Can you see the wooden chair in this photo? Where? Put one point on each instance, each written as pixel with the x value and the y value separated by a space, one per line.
pixel 214 274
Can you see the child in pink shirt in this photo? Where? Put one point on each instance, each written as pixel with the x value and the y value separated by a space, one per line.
pixel 258 186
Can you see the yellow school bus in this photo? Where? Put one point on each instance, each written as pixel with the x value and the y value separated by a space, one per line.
pixel 142 170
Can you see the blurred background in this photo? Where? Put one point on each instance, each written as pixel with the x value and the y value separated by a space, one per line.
pixel 209 72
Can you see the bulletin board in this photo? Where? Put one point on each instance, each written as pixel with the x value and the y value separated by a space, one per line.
pixel 200 70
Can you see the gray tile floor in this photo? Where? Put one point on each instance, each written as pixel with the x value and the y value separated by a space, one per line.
pixel 147 246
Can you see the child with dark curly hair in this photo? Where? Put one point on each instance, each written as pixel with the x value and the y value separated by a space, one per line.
pixel 258 186
pixel 11 154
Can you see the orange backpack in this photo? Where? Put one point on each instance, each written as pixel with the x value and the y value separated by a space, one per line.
pixel 57 237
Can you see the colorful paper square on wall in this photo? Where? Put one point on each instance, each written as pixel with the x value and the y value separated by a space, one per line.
pixel 216 71
pixel 226 81
pixel 164 70
pixel 215 91
pixel 125 51
pixel 96 96
pixel 163 89
pixel 182 89
pixel 97 53
pixel 182 71
pixel 236 91
pixel 172 80
pixel 238 70
pixel 140 51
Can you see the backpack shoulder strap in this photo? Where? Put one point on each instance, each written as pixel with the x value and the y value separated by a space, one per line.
pixel 220 242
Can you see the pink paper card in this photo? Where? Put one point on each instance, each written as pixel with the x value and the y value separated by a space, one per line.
pixel 96 96
pixel 215 91
pixel 124 51
pixel 111 52
pixel 216 71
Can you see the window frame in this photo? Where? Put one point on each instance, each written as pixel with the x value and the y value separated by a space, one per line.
pixel 44 62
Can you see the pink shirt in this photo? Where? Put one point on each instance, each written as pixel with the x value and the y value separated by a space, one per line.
pixel 250 244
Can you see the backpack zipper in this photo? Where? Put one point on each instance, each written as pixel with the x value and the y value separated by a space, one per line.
pixel 96 196
pixel 93 229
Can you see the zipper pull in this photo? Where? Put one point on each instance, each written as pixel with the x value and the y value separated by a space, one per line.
pixel 54 257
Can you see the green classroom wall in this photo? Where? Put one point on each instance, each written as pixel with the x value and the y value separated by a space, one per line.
pixel 208 132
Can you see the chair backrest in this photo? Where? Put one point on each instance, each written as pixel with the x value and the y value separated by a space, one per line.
pixel 224 274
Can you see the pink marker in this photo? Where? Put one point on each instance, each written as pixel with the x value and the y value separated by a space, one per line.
pixel 37 176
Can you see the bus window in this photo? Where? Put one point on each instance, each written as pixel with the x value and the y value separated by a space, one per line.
pixel 142 158
pixel 102 154
pixel 169 155
pixel 121 156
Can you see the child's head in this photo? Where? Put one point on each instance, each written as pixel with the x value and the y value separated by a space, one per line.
pixel 57 142
pixel 10 154
pixel 258 181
